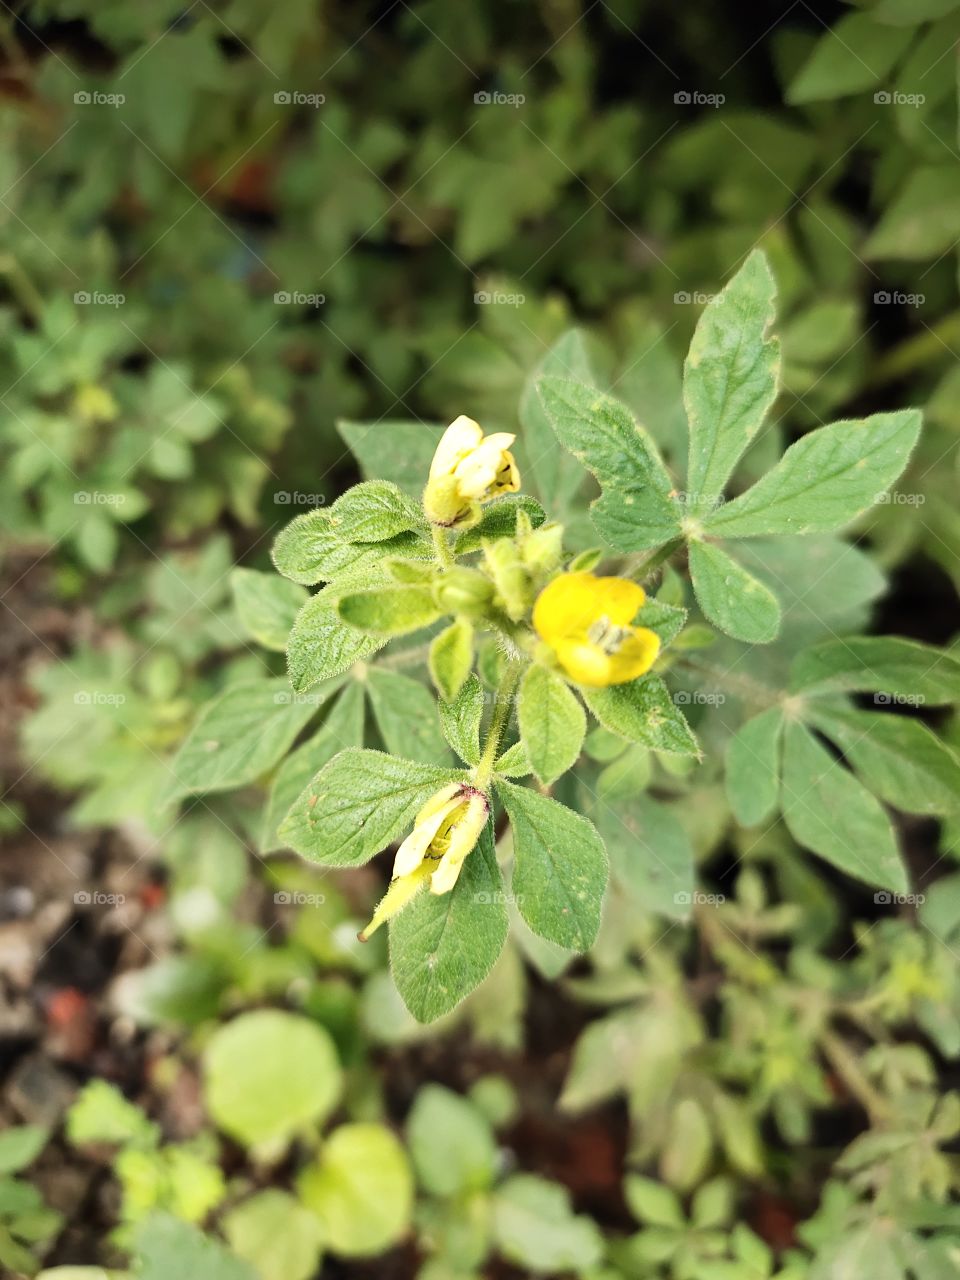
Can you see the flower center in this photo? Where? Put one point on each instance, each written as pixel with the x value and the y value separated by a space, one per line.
pixel 606 635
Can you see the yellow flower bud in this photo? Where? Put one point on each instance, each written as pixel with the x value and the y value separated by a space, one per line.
pixel 468 469
pixel 586 623
pixel 446 830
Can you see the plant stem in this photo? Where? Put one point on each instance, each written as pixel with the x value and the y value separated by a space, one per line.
pixel 501 716
pixel 646 565
pixel 844 1061
pixel 442 547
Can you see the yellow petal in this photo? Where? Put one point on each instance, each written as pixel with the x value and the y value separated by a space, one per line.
pixel 460 438
pixel 565 607
pixel 402 889
pixel 463 839
pixel 428 822
pixel 585 663
pixel 507 479
pixel 618 599
pixel 477 472
pixel 635 656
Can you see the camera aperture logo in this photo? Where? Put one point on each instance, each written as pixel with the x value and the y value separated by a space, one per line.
pixel 94 98
pixel 297 298
pixel 493 98
pixel 296 98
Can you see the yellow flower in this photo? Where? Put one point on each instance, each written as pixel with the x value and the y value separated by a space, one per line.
pixel 468 468
pixel 586 621
pixel 446 829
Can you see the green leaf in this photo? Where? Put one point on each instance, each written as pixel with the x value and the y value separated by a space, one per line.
pixel 406 715
pixel 20 1145
pixel 650 853
pixel 653 1203
pixel 374 511
pixel 729 378
pixel 904 671
pixel 266 606
pixel 312 549
pixel 535 1227
pixel 560 870
pixel 401 450
pixel 460 720
pixel 824 480
pixel 361 1190
pixel 753 768
pixel 665 619
pixel 357 804
pixel 100 1113
pixel 391 611
pixel 923 219
pixel 730 597
pixel 453 1147
pixel 552 723
pixel 556 475
pixel 643 711
pixel 451 658
pixel 165 1247
pixel 499 520
pixel 898 758
pixel 276 1234
pixel 855 54
pixel 637 509
pixel 827 810
pixel 514 763
pixel 321 646
pixel 242 734
pixel 267 1075
pixel 342 728
pixel 442 946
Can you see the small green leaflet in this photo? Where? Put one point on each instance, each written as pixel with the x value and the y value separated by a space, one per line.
pixel 827 810
pixel 266 606
pixel 460 720
pixel 730 597
pixel 556 475
pixel 374 511
pixel 640 509
pixel 552 723
pixel 242 734
pixel 897 757
pixel 729 378
pixel 499 520
pixel 451 658
pixel 406 715
pixel 357 804
pixel 442 946
pixel 824 480
pixel 643 711
pixel 753 768
pixel 665 619
pixel 311 549
pixel 902 671
pixel 389 610
pixel 321 646
pixel 855 54
pixel 560 870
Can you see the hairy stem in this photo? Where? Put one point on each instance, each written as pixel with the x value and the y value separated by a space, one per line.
pixel 442 547
pixel 501 717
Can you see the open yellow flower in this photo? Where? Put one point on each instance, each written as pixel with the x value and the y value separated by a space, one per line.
pixel 586 620
pixel 468 468
pixel 446 829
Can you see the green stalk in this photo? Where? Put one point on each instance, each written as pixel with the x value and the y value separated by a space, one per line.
pixel 442 547
pixel 501 718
